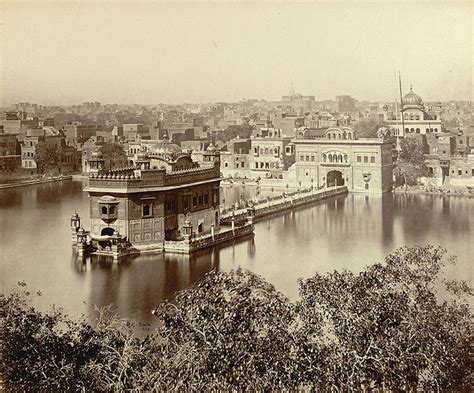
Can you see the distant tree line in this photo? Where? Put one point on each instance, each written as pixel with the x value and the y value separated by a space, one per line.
pixel 383 329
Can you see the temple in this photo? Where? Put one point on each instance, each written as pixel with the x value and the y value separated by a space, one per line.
pixel 163 202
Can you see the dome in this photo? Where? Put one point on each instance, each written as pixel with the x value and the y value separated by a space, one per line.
pixel 411 98
pixel 165 147
pixel 211 148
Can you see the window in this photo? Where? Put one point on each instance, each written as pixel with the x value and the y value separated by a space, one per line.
pixel 372 160
pixel 146 210
pixel 195 201
pixel 459 172
pixel 200 199
pixel 312 158
pixel 436 130
pixel 226 164
pixel 417 130
pixel 301 158
pixel 112 210
pixel 359 159
pixel 206 199
pixel 307 157
pixel 104 209
pixel 366 159
pixel 366 186
pixel 256 165
pixel 472 172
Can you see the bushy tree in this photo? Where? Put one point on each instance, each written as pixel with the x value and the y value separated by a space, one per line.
pixel 395 326
pixel 387 328
pixel 367 128
pixel 232 331
pixel 47 156
pixel 411 163
pixel 113 154
pixel 234 131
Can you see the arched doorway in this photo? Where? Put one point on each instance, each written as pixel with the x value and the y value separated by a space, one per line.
pixel 106 232
pixel 334 178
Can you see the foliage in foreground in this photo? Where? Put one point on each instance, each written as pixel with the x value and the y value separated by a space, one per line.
pixel 385 328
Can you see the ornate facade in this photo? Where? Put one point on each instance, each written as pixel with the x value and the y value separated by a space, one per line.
pixel 363 165
pixel 416 119
pixel 162 197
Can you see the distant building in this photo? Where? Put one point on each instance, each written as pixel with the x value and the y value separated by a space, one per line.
pixel 363 165
pixel 271 154
pixel 345 103
pixel 77 134
pixel 236 158
pixel 298 103
pixel 10 159
pixel 134 131
pixel 416 119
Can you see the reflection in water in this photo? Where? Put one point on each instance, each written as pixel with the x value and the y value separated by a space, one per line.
pixel 346 232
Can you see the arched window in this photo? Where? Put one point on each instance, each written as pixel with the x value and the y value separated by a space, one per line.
pixel 412 130
pixel 407 130
pixel 330 157
pixel 329 136
pixel 339 158
pixel 324 157
pixel 427 130
pixel 436 130
pixel 417 130
pixel 345 157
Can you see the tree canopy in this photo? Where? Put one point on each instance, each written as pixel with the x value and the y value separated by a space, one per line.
pixel 234 131
pixel 113 154
pixel 411 163
pixel 398 325
pixel 367 128
pixel 47 156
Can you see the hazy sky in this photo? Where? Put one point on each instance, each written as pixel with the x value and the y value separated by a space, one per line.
pixel 148 53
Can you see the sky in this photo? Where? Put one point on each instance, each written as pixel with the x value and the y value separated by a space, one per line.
pixel 148 53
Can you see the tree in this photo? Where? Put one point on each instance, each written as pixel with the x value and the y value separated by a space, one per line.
pixel 387 328
pixel 231 132
pixel 367 128
pixel 399 325
pixel 411 163
pixel 232 331
pixel 47 156
pixel 113 154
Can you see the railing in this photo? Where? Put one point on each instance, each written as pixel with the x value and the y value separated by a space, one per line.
pixel 287 203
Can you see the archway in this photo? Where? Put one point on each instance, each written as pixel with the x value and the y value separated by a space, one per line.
pixel 106 232
pixel 334 178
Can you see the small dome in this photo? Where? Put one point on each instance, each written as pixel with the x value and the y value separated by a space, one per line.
pixel 411 98
pixel 211 148
pixel 165 147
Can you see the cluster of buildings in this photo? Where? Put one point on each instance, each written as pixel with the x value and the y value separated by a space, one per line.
pixel 270 151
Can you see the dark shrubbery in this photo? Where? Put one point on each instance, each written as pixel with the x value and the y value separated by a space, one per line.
pixel 385 328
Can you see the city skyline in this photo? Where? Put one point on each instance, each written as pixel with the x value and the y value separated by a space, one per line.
pixel 66 54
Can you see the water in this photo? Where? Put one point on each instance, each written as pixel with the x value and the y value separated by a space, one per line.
pixel 347 232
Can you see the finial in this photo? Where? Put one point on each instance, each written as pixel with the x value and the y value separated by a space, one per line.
pixel 411 86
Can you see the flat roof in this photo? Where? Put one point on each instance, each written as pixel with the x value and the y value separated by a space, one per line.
pixel 341 141
pixel 118 190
